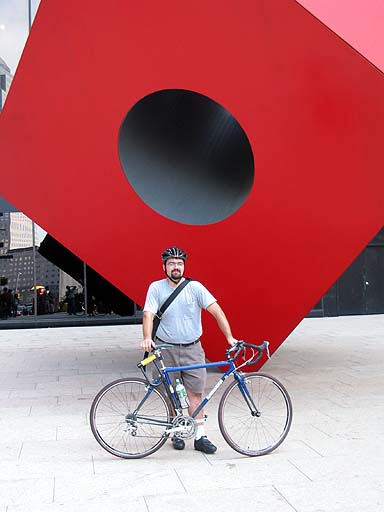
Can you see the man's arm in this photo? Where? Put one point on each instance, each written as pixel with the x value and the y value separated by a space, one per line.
pixel 146 344
pixel 222 322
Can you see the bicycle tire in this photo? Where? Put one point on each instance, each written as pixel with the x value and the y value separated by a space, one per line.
pixel 251 435
pixel 116 434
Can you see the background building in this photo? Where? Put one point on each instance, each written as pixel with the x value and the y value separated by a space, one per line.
pixel 15 231
pixel 20 231
pixel 360 289
pixel 4 232
pixel 18 269
pixel 5 81
pixel 17 260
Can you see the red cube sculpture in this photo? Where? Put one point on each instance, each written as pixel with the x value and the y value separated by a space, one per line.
pixel 246 132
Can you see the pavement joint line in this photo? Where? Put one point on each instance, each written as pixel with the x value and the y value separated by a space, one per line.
pixel 54 489
pixel 310 447
pixel 21 449
pixel 284 498
pixel 322 431
pixel 180 480
pixel 146 504
pixel 299 470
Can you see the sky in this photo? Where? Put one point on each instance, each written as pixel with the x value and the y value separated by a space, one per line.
pixel 14 29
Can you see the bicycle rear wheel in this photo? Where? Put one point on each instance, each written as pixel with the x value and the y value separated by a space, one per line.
pixel 255 434
pixel 123 433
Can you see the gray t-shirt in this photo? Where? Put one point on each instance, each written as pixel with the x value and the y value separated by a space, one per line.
pixel 181 322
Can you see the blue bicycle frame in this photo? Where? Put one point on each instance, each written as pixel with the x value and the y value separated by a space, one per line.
pixel 232 370
pixel 170 369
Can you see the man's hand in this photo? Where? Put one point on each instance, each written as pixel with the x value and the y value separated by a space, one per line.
pixel 232 341
pixel 147 344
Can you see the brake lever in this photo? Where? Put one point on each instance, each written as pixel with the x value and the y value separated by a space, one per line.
pixel 267 349
pixel 235 348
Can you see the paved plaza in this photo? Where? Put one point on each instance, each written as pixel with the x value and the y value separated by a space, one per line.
pixel 331 461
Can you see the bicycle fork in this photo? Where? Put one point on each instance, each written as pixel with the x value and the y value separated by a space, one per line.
pixel 242 382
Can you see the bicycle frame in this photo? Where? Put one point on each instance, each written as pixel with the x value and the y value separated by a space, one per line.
pixel 164 377
pixel 170 369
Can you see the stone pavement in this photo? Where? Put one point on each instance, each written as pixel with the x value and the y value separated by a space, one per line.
pixel 332 460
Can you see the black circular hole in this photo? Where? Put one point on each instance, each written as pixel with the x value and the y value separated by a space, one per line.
pixel 186 156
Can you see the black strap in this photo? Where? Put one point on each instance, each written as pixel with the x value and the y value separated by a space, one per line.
pixel 164 306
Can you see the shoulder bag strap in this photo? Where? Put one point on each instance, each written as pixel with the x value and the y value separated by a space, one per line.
pixel 166 303
pixel 164 306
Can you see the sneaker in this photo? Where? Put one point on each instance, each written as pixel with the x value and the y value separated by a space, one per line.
pixel 178 443
pixel 204 445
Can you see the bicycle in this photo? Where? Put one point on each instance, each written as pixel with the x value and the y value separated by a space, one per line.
pixel 133 417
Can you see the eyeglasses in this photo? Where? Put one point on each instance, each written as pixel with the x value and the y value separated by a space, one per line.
pixel 173 264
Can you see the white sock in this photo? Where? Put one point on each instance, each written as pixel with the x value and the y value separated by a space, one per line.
pixel 200 432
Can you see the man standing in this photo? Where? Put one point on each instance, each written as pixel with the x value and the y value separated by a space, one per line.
pixel 70 296
pixel 181 326
pixel 4 304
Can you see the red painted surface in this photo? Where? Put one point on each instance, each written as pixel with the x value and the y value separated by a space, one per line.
pixel 313 111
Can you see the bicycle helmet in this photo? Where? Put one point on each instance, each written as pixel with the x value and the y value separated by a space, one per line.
pixel 173 252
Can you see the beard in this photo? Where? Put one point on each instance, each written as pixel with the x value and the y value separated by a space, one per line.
pixel 176 275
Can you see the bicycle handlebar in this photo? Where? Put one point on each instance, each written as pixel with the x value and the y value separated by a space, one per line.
pixel 237 349
pixel 241 346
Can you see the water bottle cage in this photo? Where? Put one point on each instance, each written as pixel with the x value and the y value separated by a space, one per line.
pixel 181 394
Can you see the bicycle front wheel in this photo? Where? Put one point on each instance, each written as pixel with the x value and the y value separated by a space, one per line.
pixel 255 432
pixel 125 428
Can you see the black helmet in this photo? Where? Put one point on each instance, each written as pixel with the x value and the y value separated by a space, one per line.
pixel 173 252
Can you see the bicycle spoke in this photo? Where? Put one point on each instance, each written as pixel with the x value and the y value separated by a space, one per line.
pixel 260 433
pixel 115 426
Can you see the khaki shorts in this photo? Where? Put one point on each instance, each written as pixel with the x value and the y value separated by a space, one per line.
pixel 193 380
